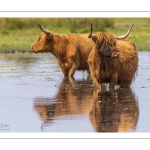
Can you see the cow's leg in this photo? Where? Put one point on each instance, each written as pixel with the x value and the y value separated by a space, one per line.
pixel 73 68
pixel 65 72
pixel 73 65
pixel 64 68
pixel 72 60
pixel 88 71
pixel 125 84
pixel 114 79
pixel 94 72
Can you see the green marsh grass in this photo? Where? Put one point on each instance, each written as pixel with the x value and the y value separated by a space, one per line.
pixel 17 34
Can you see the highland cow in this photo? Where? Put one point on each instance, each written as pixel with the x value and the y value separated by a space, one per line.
pixel 70 50
pixel 112 60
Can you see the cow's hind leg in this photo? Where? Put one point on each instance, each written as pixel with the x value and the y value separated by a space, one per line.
pixel 125 84
pixel 72 69
pixel 73 66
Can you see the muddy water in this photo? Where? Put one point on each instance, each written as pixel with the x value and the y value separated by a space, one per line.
pixel 34 97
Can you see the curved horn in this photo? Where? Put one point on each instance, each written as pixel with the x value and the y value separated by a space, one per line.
pixel 91 35
pixel 43 29
pixel 125 35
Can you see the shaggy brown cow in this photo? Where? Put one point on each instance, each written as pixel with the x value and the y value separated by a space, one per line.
pixel 70 50
pixel 112 60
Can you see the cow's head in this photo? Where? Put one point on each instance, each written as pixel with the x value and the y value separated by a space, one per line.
pixel 106 43
pixel 44 43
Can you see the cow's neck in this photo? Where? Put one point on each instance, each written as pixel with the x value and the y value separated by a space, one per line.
pixel 58 49
pixel 57 45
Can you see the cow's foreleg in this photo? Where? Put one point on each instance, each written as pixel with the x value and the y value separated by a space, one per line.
pixel 114 79
pixel 64 68
pixel 94 72
pixel 64 72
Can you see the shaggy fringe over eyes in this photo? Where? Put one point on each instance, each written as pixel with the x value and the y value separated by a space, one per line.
pixel 107 37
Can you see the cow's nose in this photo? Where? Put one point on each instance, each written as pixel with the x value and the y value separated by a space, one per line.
pixel 32 48
pixel 115 54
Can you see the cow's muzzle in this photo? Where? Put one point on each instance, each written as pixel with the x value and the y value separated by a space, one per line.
pixel 32 49
pixel 115 54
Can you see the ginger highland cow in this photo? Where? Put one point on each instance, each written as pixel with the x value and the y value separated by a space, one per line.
pixel 113 59
pixel 70 50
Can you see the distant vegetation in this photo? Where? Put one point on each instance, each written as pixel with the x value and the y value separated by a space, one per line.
pixel 17 34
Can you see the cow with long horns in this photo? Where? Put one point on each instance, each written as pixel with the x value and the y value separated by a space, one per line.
pixel 113 59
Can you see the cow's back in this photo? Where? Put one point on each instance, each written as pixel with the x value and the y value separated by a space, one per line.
pixel 128 60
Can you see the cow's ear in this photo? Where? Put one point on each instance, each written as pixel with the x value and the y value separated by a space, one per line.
pixel 49 36
pixel 95 39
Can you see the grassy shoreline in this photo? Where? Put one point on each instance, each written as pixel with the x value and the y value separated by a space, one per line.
pixel 17 34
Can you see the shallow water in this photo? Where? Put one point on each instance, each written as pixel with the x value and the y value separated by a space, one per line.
pixel 34 97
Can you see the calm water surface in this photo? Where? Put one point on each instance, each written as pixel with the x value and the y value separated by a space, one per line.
pixel 34 97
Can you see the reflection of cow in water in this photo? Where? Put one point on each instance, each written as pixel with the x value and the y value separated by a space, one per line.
pixel 70 100
pixel 111 111
pixel 114 110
